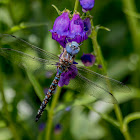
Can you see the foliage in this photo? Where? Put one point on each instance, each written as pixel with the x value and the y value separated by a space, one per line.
pixel 80 116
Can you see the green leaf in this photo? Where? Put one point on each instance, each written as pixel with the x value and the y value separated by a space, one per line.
pixel 124 97
pixel 58 11
pixel 23 25
pixel 83 127
pixel 4 1
pixel 36 85
pixel 104 116
pixel 131 13
pixel 101 27
pixel 77 102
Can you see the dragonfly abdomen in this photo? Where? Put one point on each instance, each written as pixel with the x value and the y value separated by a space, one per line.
pixel 48 95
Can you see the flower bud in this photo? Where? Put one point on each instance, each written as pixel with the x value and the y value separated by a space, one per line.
pixel 87 4
pixel 88 59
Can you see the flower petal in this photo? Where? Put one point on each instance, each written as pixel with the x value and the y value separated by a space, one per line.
pixel 61 28
pixel 66 76
pixel 88 59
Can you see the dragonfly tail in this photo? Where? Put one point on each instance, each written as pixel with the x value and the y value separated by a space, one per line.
pixel 48 96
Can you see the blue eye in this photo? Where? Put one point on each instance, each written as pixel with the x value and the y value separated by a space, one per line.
pixel 73 43
pixel 72 51
pixel 69 49
pixel 72 48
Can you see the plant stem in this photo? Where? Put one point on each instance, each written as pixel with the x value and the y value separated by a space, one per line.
pixel 51 113
pixel 127 119
pixel 97 50
pixel 76 5
pixel 133 24
pixel 105 117
pixel 119 115
pixel 100 60
pixel 129 5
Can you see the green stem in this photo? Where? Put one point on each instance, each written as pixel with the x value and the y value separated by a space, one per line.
pixel 7 116
pixel 127 119
pixel 76 5
pixel 97 50
pixel 133 24
pixel 119 115
pixel 100 60
pixel 126 134
pixel 105 117
pixel 51 113
pixel 129 5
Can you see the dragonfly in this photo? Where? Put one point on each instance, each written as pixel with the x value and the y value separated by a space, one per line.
pixel 31 57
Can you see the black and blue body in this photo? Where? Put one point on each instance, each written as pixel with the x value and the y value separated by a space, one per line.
pixel 66 60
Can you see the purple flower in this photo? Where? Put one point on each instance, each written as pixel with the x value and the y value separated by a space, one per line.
pixel 66 76
pixel 76 29
pixel 45 91
pixel 49 74
pixel 68 108
pixel 100 66
pixel 58 128
pixel 65 31
pixel 42 126
pixel 87 4
pixel 88 59
pixel 87 26
pixel 61 28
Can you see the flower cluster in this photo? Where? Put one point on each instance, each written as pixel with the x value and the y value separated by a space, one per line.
pixel 66 30
pixel 75 29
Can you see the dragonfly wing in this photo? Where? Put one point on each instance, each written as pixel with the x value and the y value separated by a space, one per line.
pixel 105 82
pixel 96 85
pixel 21 45
pixel 26 61
pixel 26 55
pixel 97 91
pixel 84 85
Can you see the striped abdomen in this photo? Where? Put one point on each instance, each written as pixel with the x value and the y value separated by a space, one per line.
pixel 48 95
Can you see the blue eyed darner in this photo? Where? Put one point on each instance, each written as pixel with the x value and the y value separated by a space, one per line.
pixel 33 58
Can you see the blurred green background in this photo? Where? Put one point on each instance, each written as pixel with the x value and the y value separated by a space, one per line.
pixel 21 92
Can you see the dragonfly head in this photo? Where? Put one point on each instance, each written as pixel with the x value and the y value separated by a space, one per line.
pixel 72 48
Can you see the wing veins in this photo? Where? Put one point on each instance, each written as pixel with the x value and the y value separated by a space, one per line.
pixel 52 56
pixel 32 57
pixel 105 78
pixel 113 99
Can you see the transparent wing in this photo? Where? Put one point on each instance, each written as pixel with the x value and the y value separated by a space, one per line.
pixel 97 85
pixel 26 55
pixel 22 45
pixel 107 83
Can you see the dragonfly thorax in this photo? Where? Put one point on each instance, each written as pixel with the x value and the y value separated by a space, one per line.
pixel 65 61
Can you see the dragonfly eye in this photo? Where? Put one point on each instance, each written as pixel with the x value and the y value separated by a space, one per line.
pixel 72 48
